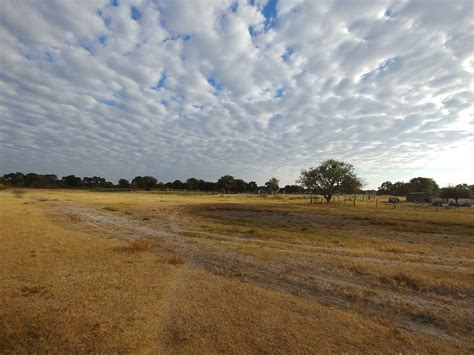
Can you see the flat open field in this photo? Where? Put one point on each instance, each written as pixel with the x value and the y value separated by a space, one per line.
pixel 167 273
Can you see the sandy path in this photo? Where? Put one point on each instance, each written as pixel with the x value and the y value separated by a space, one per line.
pixel 300 269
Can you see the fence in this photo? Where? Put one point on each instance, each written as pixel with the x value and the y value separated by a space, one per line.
pixel 381 202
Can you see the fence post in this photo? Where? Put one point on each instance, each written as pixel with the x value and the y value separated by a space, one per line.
pixel 376 203
pixel 354 202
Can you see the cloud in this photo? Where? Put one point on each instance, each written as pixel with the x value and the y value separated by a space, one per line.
pixel 203 88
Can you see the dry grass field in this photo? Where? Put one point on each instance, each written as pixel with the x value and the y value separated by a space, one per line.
pixel 151 272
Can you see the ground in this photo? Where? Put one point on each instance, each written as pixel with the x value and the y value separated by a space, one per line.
pixel 85 271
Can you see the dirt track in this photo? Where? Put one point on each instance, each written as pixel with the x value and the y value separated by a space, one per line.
pixel 323 275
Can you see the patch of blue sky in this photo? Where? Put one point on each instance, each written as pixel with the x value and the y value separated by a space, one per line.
pixel 110 103
pixel 384 67
pixel 389 13
pixel 252 31
pixel 161 82
pixel 270 13
pixel 279 93
pixel 286 56
pixel 135 14
pixel 215 83
pixel 233 7
pixel 87 47
pixel 184 37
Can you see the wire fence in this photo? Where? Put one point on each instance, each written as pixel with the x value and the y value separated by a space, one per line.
pixel 382 202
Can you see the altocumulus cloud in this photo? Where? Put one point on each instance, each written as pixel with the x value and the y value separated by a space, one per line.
pixel 250 88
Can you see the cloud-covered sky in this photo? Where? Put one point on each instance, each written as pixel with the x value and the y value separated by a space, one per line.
pixel 179 88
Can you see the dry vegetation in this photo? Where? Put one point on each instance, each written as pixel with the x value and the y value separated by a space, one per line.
pixel 161 273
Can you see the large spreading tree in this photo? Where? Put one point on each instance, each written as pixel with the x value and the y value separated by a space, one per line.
pixel 331 177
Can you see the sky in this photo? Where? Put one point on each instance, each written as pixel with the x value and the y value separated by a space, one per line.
pixel 254 89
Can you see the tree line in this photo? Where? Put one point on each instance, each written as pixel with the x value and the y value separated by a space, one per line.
pixel 328 179
pixel 428 185
pixel 226 184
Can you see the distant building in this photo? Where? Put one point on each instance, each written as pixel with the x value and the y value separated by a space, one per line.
pixel 418 197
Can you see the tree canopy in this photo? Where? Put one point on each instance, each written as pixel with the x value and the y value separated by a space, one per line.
pixel 400 188
pixel 272 185
pixel 226 182
pixel 331 177
pixel 456 192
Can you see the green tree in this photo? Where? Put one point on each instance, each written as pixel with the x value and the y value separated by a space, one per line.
pixel 328 178
pixel 239 185
pixel 422 184
pixel 386 188
pixel 137 182
pixel 123 184
pixel 177 185
pixel 71 181
pixel 272 185
pixel 351 185
pixel 94 182
pixel 15 179
pixel 226 183
pixel 192 184
pixel 400 188
pixel 293 189
pixel 455 192
pixel 149 182
pixel 252 186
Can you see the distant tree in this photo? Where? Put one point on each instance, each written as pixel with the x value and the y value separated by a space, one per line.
pixel 137 182
pixel 177 185
pixel 149 182
pixel 386 188
pixel 192 184
pixel 352 185
pixel 328 178
pixel 239 185
pixel 71 181
pixel 292 189
pixel 50 181
pixel 252 186
pixel 400 188
pixel 93 182
pixel 456 192
pixel 272 185
pixel 124 184
pixel 41 181
pixel 210 186
pixel 15 179
pixel 160 186
pixel 201 185
pixel 226 183
pixel 422 184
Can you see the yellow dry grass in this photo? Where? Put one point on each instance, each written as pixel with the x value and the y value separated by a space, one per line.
pixel 175 273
